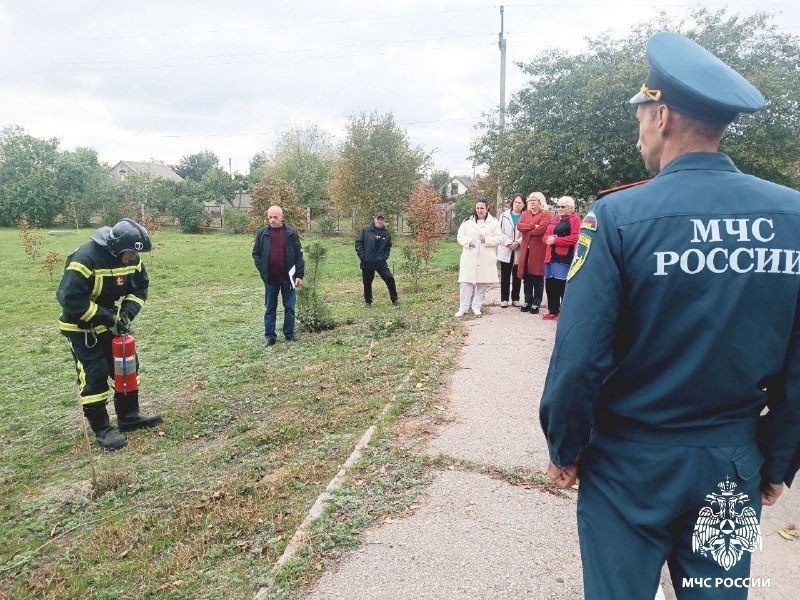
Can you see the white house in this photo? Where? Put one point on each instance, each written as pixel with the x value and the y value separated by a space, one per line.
pixel 458 186
pixel 157 170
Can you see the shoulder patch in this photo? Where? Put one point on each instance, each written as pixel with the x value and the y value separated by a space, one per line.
pixel 619 188
pixel 581 251
pixel 589 221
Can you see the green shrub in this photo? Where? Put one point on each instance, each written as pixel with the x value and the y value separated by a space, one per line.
pixel 314 314
pixel 191 214
pixel 462 209
pixel 412 262
pixel 235 220
pixel 327 225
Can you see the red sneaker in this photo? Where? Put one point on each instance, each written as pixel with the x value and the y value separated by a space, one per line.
pixel 550 317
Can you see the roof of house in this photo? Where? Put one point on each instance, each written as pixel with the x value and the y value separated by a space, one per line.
pixel 242 200
pixel 149 168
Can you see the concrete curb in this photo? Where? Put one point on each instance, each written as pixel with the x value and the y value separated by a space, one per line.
pixel 301 534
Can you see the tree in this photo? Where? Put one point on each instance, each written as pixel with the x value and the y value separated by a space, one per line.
pixel 214 186
pixel 275 192
pixel 439 180
pixel 568 131
pixel 38 180
pixel 85 189
pixel 303 156
pixel 28 178
pixel 157 194
pixel 376 168
pixel 424 217
pixel 194 166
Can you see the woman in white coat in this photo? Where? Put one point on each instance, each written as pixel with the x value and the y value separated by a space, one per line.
pixel 479 236
pixel 508 252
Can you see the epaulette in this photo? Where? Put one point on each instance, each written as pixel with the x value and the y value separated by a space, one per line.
pixel 602 193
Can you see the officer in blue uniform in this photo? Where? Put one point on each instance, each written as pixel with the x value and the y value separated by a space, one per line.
pixel 681 323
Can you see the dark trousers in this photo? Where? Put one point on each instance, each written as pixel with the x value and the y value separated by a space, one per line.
pixel 555 294
pixel 289 295
pixel 642 504
pixel 533 288
pixel 94 365
pixel 509 279
pixel 367 275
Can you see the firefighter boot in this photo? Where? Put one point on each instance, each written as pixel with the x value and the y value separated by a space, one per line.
pixel 128 417
pixel 107 437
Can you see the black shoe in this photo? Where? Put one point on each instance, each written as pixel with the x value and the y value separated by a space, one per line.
pixel 291 338
pixel 534 310
pixel 269 341
pixel 134 420
pixel 109 439
pixel 395 302
pixel 526 308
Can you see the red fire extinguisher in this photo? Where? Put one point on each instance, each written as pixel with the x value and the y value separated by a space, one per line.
pixel 123 349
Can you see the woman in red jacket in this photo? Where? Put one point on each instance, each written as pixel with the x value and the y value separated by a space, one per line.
pixel 533 225
pixel 560 240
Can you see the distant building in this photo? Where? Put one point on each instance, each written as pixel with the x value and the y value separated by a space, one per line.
pixel 242 202
pixel 156 170
pixel 458 186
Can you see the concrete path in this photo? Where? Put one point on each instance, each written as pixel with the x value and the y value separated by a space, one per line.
pixel 477 537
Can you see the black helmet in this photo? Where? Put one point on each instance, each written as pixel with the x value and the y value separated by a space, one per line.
pixel 128 235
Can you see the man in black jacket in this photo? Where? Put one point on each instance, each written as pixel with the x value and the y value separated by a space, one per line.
pixel 279 259
pixel 373 245
pixel 100 273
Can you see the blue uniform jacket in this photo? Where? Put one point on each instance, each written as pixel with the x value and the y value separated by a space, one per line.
pixel 680 320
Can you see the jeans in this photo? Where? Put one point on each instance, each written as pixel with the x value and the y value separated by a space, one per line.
pixel 289 294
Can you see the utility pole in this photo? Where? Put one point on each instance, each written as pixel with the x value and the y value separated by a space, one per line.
pixel 502 44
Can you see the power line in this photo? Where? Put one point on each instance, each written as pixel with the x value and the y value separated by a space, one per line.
pixel 113 62
pixel 265 60
pixel 239 29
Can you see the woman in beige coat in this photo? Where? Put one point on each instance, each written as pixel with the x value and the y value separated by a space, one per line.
pixel 479 236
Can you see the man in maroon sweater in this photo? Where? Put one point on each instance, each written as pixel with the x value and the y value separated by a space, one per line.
pixel 279 259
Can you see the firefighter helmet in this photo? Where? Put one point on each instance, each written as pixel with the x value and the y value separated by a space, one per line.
pixel 128 235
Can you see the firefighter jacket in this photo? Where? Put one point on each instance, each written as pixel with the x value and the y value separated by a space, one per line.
pixel 94 280
pixel 681 318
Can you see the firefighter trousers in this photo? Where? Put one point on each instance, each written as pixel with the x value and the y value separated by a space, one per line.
pixel 94 364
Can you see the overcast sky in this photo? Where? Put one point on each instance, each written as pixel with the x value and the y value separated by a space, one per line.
pixel 159 80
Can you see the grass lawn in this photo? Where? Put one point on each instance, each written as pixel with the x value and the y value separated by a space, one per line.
pixel 204 505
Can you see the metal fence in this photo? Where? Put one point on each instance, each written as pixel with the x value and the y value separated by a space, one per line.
pixel 322 220
pixel 330 220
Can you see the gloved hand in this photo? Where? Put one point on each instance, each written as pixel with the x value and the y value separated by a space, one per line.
pixel 120 326
pixel 127 314
pixel 104 316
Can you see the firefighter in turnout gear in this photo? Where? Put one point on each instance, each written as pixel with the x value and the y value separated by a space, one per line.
pixel 97 276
